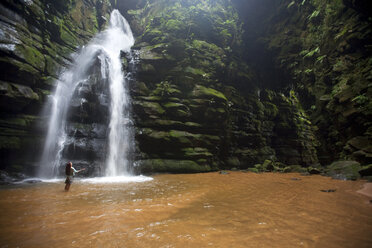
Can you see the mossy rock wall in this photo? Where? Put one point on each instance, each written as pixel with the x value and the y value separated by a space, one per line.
pixel 37 40
pixel 196 99
pixel 320 49
pixel 219 84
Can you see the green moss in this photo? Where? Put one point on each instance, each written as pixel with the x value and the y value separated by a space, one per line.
pixel 366 171
pixel 147 53
pixel 172 166
pixel 9 142
pixel 321 58
pixel 182 113
pixel 342 32
pixel 135 12
pixel 310 53
pixel 153 107
pixel 297 168
pixel 150 137
pixel 148 68
pixel 181 137
pixel 270 109
pixel 208 55
pixel 225 34
pixel 19 121
pixel 165 89
pixel 178 134
pixel 221 110
pixel 150 98
pixel 339 87
pixel 162 122
pixel 173 105
pixel 196 71
pixel 94 22
pixel 67 37
pixel 360 99
pixel 51 66
pixel 193 124
pixel 32 56
pixel 18 94
pixel 344 170
pixel 174 25
pixel 290 4
pixel 200 90
pixel 196 152
pixel 254 170
pixel 204 46
pixel 211 139
pixel 314 14
pixel 232 162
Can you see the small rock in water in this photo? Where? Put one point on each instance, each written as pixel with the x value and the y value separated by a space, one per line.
pixel 295 178
pixel 313 170
pixel 224 172
pixel 328 190
pixel 33 181
pixel 6 178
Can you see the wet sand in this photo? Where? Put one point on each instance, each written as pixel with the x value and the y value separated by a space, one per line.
pixel 366 190
pixel 196 210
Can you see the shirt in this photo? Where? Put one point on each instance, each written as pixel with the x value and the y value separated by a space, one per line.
pixel 73 171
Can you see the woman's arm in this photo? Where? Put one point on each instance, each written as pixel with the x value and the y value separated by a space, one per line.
pixel 76 171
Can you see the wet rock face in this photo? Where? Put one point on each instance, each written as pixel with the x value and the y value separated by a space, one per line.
pixel 219 84
pixel 87 123
pixel 359 5
pixel 344 170
pixel 36 40
pixel 197 105
pixel 321 51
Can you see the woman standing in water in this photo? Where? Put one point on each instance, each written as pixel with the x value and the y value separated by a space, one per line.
pixel 70 172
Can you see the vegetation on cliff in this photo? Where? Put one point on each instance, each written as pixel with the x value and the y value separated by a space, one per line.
pixel 192 64
pixel 37 40
pixel 258 85
pixel 321 49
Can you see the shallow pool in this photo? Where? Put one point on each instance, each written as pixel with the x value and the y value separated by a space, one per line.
pixel 194 210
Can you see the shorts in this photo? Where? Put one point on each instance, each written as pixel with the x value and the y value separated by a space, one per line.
pixel 68 180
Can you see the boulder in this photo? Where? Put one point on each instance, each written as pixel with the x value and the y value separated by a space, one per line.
pixel 366 171
pixel 313 170
pixel 268 165
pixel 344 170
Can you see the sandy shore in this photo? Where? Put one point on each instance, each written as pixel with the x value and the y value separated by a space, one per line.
pixel 366 190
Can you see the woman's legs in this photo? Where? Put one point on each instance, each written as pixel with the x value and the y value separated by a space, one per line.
pixel 67 187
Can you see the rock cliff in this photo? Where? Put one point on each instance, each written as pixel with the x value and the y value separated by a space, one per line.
pixel 218 84
pixel 37 40
pixel 198 105
pixel 321 50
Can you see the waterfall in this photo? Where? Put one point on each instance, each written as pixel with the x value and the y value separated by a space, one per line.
pixel 105 46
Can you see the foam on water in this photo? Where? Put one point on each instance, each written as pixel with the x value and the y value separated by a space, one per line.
pixel 117 179
pixel 37 180
pixel 98 180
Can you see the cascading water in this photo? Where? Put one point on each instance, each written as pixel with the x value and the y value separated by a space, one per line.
pixel 106 47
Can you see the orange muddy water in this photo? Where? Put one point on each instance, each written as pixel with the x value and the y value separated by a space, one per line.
pixel 196 210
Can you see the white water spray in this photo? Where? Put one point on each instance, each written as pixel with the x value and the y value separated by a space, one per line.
pixel 107 46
